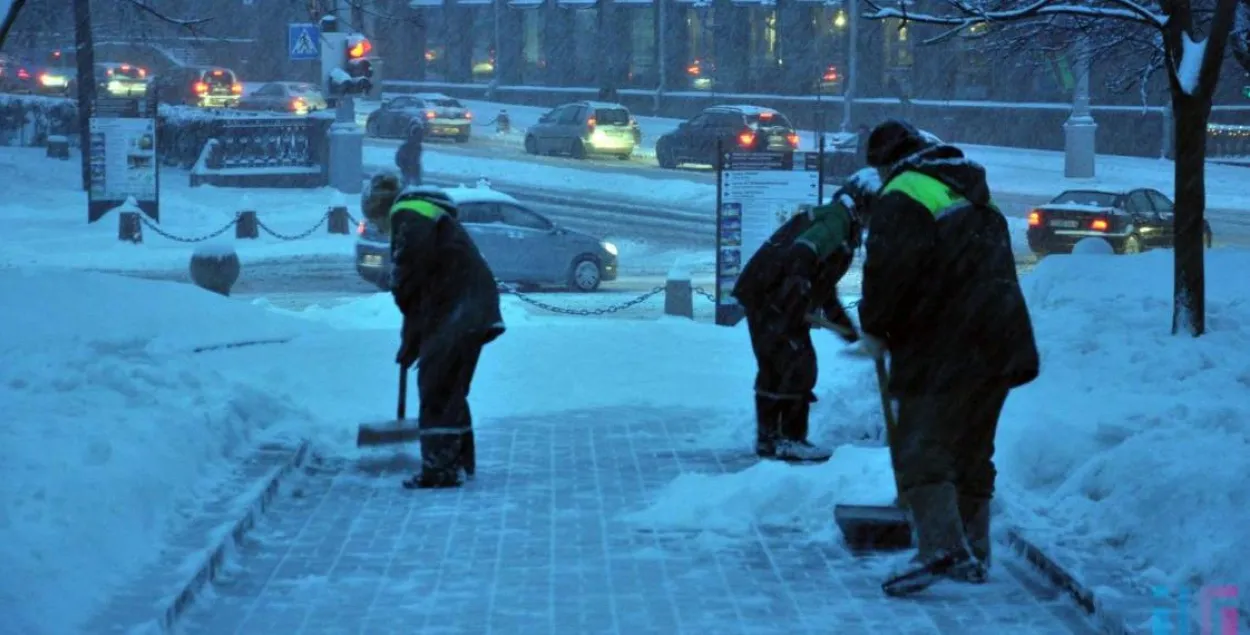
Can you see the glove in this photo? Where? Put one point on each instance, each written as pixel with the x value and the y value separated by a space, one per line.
pixel 409 346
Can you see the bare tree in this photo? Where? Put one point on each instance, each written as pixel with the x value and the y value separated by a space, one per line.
pixel 1193 68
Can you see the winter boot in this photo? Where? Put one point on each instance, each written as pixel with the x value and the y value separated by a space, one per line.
pixel 942 549
pixel 974 512
pixel 767 419
pixel 794 446
pixel 468 454
pixel 441 455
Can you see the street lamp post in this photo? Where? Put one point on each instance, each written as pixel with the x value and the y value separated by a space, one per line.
pixel 1079 130
pixel 661 11
pixel 852 64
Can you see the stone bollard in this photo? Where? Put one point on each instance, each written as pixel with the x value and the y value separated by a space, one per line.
pixel 246 226
pixel 503 123
pixel 678 294
pixel 338 223
pixel 58 147
pixel 129 226
pixel 215 268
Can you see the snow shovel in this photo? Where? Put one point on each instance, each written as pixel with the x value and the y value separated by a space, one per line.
pixel 391 432
pixel 877 527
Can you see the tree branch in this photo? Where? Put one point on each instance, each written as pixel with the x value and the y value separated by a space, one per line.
pixel 184 23
pixel 968 14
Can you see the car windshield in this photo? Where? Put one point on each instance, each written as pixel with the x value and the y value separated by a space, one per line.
pixel 302 89
pixel 445 102
pixel 755 120
pixel 1087 197
pixel 611 117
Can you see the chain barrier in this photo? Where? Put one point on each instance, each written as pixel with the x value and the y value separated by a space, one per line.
pixel 179 239
pixel 708 295
pixel 512 290
pixel 280 236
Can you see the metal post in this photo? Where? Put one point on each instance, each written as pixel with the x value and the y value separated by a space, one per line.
pixel 852 63
pixel 1080 128
pixel 661 10
pixel 84 54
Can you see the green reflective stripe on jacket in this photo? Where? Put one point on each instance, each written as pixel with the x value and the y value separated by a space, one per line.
pixel 934 195
pixel 829 231
pixel 424 208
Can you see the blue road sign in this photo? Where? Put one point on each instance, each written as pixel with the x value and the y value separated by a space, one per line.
pixel 303 42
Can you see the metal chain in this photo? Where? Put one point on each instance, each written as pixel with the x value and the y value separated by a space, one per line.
pixel 199 239
pixel 306 234
pixel 511 289
pixel 711 297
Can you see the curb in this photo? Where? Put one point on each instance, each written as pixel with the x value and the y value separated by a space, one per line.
pixel 210 568
pixel 1112 616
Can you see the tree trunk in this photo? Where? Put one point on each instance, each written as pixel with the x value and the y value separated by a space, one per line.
pixel 1191 113
pixel 84 53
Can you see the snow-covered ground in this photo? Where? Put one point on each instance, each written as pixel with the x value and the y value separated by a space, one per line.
pixel 1132 443
pixel 1011 170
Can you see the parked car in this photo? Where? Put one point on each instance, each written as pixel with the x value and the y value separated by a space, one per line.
pixel 1131 222
pixel 585 128
pixel 443 117
pixel 118 79
pixel 299 98
pixel 202 86
pixel 520 245
pixel 730 128
pixel 16 75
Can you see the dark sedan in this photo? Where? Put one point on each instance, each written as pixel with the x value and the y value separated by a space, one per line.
pixel 1130 221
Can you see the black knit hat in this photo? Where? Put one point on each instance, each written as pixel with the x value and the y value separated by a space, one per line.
pixel 893 140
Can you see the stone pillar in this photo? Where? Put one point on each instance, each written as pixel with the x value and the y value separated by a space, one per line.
pixel 458 27
pixel 672 43
pixel 508 58
pixel 797 37
pixel 1080 130
pixel 732 41
pixel 347 142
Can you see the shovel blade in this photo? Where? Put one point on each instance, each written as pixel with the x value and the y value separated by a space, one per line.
pixel 390 432
pixel 873 527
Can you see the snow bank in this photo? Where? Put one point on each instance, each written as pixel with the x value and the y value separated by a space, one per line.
pixel 1133 442
pixel 112 426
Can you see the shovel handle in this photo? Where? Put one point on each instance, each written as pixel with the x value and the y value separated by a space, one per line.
pixel 402 410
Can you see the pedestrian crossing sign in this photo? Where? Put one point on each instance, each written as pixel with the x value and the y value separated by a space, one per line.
pixel 304 42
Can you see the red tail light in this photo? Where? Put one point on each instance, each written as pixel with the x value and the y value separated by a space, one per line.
pixel 298 104
pixel 590 124
pixel 746 139
pixel 360 228
pixel 201 88
pixel 693 70
pixel 429 114
pixel 468 115
pixel 765 116
pixel 1099 225
pixel 236 89
pixel 143 72
pixel 23 73
pixel 793 139
pixel 1035 218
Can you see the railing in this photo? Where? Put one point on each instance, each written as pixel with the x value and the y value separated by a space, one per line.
pixel 1228 144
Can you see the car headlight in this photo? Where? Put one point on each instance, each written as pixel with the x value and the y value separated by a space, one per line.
pixel 609 247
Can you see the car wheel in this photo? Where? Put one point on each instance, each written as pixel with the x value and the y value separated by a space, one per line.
pixel 464 138
pixel 531 145
pixel 1132 245
pixel 622 157
pixel 664 156
pixel 371 127
pixel 579 150
pixel 585 274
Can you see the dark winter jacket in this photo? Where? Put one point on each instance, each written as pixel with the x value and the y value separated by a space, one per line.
pixel 825 237
pixel 408 156
pixel 940 283
pixel 440 281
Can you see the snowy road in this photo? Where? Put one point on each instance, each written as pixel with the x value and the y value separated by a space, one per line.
pixel 544 542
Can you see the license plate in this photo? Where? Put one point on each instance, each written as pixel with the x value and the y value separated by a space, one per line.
pixel 776 139
pixel 1067 224
pixel 371 261
pixel 446 131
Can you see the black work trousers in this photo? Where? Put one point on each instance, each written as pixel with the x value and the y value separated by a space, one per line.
pixel 948 437
pixel 444 376
pixel 786 375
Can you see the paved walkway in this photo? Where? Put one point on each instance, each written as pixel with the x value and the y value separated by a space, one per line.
pixel 534 545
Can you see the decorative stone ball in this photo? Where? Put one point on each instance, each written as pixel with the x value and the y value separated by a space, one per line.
pixel 215 268
pixel 1093 246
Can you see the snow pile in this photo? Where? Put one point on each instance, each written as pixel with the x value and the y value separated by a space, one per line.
pixel 112 426
pixel 378 312
pixel 1133 441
